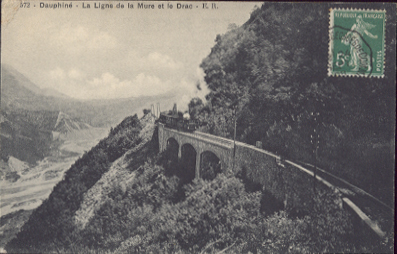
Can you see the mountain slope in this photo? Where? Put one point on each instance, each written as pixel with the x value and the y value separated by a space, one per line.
pixel 28 135
pixel 22 138
pixel 54 217
pixel 19 93
pixel 10 224
pixel 65 124
pixel 119 174
pixel 271 73
pixel 13 79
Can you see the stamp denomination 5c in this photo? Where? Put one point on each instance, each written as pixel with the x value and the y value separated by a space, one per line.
pixel 357 43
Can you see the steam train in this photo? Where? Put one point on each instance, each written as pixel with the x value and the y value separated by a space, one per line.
pixel 176 120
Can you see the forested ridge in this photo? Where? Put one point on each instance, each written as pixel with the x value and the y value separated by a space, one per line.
pixel 270 73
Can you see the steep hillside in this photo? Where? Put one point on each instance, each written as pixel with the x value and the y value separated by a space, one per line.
pixel 272 73
pixel 119 174
pixel 10 225
pixel 54 217
pixel 25 186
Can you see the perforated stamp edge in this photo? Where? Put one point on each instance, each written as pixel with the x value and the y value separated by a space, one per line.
pixel 330 43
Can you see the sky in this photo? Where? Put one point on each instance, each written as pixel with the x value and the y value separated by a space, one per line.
pixel 115 53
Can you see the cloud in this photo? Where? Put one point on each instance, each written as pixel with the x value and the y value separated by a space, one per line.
pixel 78 38
pixel 162 61
pixel 150 85
pixel 75 83
pixel 102 40
pixel 106 80
pixel 57 74
pixel 109 86
pixel 155 62
pixel 75 74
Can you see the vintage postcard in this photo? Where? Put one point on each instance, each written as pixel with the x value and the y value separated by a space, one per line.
pixel 197 127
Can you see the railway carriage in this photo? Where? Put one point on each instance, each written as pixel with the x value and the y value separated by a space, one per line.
pixel 176 121
pixel 181 122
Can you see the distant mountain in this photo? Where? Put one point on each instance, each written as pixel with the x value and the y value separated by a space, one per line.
pixel 65 124
pixel 53 93
pixel 19 93
pixel 14 81
pixel 41 119
pixel 27 135
pixel 22 138
pixel 30 116
pixel 11 78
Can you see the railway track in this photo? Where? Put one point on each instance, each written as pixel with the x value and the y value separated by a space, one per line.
pixel 376 210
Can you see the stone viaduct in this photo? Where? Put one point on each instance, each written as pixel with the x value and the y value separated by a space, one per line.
pixel 290 183
pixel 200 142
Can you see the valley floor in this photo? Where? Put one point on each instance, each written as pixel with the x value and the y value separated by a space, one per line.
pixel 36 183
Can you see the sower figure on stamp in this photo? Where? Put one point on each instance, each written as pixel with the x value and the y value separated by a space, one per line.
pixel 354 37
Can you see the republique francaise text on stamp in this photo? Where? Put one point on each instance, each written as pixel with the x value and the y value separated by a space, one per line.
pixel 357 43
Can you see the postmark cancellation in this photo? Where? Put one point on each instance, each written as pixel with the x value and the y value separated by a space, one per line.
pixel 357 43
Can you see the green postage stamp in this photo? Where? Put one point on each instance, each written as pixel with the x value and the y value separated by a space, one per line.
pixel 357 43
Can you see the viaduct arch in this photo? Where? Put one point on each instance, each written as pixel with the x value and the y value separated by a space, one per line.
pixel 173 148
pixel 210 165
pixel 203 146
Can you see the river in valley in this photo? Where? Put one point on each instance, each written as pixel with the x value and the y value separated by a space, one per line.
pixel 35 183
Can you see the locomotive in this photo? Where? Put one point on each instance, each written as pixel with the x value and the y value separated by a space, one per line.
pixel 176 120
